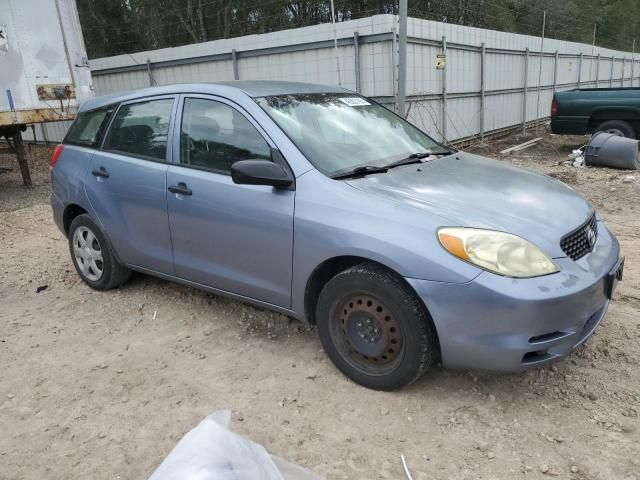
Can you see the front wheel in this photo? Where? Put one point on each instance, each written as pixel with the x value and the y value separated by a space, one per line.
pixel 374 328
pixel 93 257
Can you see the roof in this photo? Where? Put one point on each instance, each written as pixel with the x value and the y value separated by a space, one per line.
pixel 264 88
pixel 252 88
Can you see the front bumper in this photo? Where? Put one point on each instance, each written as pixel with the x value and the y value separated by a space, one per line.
pixel 507 324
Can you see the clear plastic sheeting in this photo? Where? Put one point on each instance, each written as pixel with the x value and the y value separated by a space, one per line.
pixel 212 452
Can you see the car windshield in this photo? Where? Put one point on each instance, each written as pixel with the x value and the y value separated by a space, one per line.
pixel 341 132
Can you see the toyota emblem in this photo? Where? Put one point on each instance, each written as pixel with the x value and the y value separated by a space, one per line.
pixel 591 236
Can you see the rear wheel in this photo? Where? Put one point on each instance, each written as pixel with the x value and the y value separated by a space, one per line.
pixel 93 257
pixel 375 329
pixel 617 127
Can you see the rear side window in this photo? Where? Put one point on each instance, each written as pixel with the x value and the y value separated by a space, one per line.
pixel 141 129
pixel 88 127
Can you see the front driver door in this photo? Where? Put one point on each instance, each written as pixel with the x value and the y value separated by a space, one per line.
pixel 237 238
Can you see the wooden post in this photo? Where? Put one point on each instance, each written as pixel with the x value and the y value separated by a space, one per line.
pixel 22 157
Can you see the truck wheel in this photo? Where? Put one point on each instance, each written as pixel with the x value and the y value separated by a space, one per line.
pixel 374 328
pixel 92 255
pixel 617 127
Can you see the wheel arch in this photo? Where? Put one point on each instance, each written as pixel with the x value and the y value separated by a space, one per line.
pixel 329 268
pixel 71 211
pixel 74 210
pixel 600 115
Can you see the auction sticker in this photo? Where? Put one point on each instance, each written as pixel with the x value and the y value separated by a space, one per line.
pixel 354 101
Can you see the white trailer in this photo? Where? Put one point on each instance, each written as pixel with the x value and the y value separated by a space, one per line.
pixel 44 72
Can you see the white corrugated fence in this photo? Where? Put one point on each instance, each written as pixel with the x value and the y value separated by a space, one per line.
pixel 491 80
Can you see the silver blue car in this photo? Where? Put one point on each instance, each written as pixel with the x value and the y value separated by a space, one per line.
pixel 323 205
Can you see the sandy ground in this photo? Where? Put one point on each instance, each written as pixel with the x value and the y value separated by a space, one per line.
pixel 102 385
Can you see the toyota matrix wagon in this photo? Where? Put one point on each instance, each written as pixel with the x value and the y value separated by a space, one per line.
pixel 323 205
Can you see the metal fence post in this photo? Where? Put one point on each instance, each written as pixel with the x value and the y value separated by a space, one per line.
pixel 444 90
pixel 43 127
pixel 555 70
pixel 613 59
pixel 624 64
pixel 402 57
pixel 152 81
pixel 394 68
pixel 356 55
pixel 483 55
pixel 598 70
pixel 234 61
pixel 524 94
pixel 579 69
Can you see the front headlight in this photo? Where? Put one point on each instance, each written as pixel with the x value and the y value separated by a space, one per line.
pixel 498 252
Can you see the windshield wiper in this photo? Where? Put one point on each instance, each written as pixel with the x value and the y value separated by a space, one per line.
pixel 367 169
pixel 360 172
pixel 413 158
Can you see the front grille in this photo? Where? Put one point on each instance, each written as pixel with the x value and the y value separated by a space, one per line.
pixel 582 240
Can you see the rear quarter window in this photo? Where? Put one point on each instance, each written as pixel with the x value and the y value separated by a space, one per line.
pixel 88 127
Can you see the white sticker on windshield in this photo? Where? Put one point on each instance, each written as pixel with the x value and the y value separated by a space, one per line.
pixel 354 101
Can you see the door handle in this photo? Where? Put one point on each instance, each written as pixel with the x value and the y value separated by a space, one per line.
pixel 102 172
pixel 180 189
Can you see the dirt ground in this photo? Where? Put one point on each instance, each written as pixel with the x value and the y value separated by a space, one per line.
pixel 102 385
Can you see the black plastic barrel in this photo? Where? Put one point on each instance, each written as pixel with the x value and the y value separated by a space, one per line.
pixel 609 150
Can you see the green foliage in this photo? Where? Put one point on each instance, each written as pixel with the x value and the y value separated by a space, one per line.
pixel 114 27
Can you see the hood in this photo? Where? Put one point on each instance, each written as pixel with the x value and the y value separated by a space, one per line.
pixel 472 191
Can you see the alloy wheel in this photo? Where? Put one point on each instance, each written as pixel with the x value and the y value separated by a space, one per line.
pixel 88 253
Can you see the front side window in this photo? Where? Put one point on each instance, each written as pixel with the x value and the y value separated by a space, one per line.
pixel 339 132
pixel 214 135
pixel 142 128
pixel 87 128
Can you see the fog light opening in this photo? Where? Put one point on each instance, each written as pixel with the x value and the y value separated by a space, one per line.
pixel 535 356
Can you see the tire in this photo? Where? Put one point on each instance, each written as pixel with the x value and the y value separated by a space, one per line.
pixel 617 127
pixel 374 328
pixel 93 256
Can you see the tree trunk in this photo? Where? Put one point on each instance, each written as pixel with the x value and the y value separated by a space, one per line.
pixel 203 28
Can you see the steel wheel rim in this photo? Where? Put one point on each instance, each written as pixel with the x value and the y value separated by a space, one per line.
pixel 367 334
pixel 88 253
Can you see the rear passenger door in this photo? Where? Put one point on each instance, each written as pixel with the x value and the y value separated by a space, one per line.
pixel 237 238
pixel 126 183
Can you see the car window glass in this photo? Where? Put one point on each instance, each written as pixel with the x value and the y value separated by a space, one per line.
pixel 340 131
pixel 88 126
pixel 142 128
pixel 214 136
pixel 335 135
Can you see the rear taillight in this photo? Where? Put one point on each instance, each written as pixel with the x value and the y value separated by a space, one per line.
pixel 554 107
pixel 56 155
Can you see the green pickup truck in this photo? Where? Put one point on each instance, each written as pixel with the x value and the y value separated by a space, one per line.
pixel 587 110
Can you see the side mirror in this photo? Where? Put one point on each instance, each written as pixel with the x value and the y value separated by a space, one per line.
pixel 260 172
